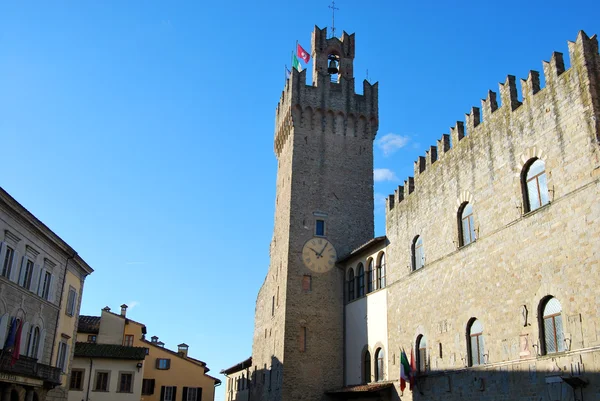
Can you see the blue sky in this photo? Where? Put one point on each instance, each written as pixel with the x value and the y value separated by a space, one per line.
pixel 141 132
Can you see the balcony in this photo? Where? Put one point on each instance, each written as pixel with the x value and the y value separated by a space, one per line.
pixel 25 366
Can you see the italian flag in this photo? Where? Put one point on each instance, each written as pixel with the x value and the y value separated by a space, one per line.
pixel 296 63
pixel 404 372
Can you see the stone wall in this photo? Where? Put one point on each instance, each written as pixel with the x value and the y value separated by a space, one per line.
pixel 519 257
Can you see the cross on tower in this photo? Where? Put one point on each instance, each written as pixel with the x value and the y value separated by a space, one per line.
pixel 333 8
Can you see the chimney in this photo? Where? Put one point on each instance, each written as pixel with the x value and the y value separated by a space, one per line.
pixel 106 308
pixel 154 339
pixel 182 349
pixel 123 310
pixel 160 344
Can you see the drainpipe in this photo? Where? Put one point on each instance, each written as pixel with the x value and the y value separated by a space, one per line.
pixel 87 395
pixel 59 304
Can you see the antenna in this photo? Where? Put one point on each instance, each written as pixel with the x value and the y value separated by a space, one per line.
pixel 333 8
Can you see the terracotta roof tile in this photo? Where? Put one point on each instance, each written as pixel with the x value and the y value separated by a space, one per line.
pixel 88 324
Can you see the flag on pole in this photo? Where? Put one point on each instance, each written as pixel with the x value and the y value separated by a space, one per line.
pixel 287 72
pixel 296 63
pixel 405 372
pixel 303 54
pixel 17 348
pixel 10 338
pixel 413 368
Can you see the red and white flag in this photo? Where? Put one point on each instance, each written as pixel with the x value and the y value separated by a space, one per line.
pixel 303 54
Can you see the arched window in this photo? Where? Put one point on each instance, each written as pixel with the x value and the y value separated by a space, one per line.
pixel 379 365
pixel 553 338
pixel 351 285
pixel 370 273
pixel 466 224
pixel 367 367
pixel 475 342
pixel 418 255
pixel 361 280
pixel 381 271
pixel 535 185
pixel 421 354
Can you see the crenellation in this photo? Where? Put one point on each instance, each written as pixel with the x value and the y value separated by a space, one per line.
pixel 473 119
pixel 419 165
pixel 489 104
pixel 508 93
pixel 399 193
pixel 431 155
pixel 553 68
pixel 457 133
pixel 390 202
pixel 443 144
pixel 409 186
pixel 531 85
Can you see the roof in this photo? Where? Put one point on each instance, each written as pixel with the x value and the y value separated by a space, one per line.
pixel 367 245
pixel 112 351
pixel 364 389
pixel 88 324
pixel 237 367
pixel 43 229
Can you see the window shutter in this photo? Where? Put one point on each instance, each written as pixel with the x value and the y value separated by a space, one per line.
pixel 40 288
pixel 157 363
pixel 162 391
pixel 40 353
pixel 184 396
pixel 4 328
pixel 22 271
pixel 152 383
pixel 24 331
pixel 174 393
pixel 2 255
pixel 35 279
pixel 199 394
pixel 169 367
pixel 15 267
pixel 52 292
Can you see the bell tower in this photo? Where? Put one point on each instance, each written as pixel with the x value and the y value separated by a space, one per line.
pixel 324 136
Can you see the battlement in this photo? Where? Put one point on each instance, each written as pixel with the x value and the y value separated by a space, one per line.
pixel 334 106
pixel 582 80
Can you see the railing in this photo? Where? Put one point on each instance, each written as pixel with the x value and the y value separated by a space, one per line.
pixel 25 366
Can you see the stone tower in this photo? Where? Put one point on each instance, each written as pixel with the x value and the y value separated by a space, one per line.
pixel 324 136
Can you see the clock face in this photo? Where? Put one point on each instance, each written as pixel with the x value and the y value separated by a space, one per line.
pixel 319 255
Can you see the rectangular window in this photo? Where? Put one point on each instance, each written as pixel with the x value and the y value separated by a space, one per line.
pixel 101 381
pixel 92 338
pixel 306 283
pixel 302 339
pixel 28 274
pixel 320 228
pixel 163 363
pixel 148 386
pixel 192 394
pixel 273 306
pixel 168 393
pixel 45 283
pixel 71 301
pixel 61 358
pixel 125 383
pixel 128 340
pixel 8 261
pixel 76 379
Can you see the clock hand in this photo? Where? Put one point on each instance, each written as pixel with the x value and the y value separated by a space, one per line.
pixel 323 250
pixel 313 251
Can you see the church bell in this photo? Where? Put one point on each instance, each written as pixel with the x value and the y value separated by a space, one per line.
pixel 332 69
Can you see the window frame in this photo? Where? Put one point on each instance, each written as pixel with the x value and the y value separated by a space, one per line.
pixel 525 185
pixel 320 227
pixel 107 383
pixel 381 271
pixel 172 396
pixel 370 278
pixel 81 373
pixel 71 301
pixel 543 317
pixel 7 263
pixel 366 371
pixel 379 365
pixel 479 353
pixel 360 287
pixel 28 273
pixel 92 337
pixel 120 382
pixel 128 340
pixel 62 357
pixel 33 341
pixel 417 250
pixel 167 362
pixel 148 383
pixel 470 219
pixel 421 354
pixel 351 285
pixel 45 280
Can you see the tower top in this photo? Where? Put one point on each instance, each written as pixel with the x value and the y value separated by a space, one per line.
pixel 324 49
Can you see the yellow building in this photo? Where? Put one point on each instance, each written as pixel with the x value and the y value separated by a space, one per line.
pixel 167 375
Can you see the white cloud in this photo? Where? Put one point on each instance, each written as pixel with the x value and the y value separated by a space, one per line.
pixel 384 174
pixel 391 142
pixel 132 304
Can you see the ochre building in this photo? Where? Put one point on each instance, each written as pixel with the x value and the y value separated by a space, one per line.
pixel 487 278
